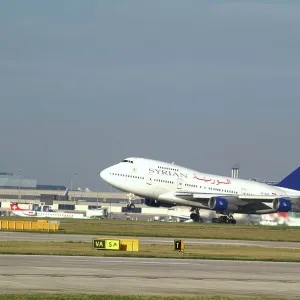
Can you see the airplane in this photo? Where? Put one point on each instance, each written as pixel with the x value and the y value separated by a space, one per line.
pixel 164 184
pixel 42 214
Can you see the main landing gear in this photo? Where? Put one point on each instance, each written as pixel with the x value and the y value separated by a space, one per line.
pixel 228 219
pixel 195 216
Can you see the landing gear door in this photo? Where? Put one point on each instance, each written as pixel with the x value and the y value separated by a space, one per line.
pixel 179 183
pixel 149 179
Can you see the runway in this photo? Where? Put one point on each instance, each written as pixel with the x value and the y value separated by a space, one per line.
pixel 99 275
pixel 44 237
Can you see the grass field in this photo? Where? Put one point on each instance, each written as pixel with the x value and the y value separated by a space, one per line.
pixel 178 230
pixel 119 297
pixel 147 250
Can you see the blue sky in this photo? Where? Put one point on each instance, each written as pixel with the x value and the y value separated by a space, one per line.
pixel 207 84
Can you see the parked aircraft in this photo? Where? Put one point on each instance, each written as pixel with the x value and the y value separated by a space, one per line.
pixel 167 185
pixel 43 214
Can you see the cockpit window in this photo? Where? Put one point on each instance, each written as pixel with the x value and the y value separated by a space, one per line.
pixel 128 161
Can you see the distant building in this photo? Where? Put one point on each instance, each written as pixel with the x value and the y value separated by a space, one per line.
pixel 10 181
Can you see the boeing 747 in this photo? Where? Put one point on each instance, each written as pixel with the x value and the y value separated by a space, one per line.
pixel 163 184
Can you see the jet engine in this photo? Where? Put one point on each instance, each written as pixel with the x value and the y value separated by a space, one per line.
pixel 155 203
pixel 282 205
pixel 221 204
pixel 286 204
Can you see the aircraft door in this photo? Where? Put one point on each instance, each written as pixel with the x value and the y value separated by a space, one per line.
pixel 243 191
pixel 149 179
pixel 179 183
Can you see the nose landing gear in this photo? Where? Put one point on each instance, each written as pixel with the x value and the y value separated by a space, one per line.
pixel 130 205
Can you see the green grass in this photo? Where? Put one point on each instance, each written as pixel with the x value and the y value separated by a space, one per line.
pixel 120 297
pixel 177 230
pixel 249 253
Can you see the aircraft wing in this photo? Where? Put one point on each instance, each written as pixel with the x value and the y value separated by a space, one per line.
pixel 194 196
pixel 249 203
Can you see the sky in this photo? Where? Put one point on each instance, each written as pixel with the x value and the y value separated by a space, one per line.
pixel 204 84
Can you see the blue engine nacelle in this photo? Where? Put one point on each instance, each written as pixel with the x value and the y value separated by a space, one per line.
pixel 282 205
pixel 217 204
pixel 222 204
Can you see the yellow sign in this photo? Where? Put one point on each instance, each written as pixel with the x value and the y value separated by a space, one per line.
pixel 112 244
pixel 179 245
pixel 106 244
pixel 99 244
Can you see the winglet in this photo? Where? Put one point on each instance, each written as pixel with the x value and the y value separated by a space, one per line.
pixel 292 181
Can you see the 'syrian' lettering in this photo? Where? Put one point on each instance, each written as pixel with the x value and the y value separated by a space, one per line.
pixel 151 171
pixel 167 173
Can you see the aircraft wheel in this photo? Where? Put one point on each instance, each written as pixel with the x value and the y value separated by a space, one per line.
pixel 215 220
pixel 223 219
pixel 195 217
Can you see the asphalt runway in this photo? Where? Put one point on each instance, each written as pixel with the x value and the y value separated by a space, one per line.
pixel 44 237
pixel 100 275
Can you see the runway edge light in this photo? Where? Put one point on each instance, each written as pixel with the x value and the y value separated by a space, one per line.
pixel 179 245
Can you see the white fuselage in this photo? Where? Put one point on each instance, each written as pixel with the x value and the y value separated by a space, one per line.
pixel 150 179
pixel 44 214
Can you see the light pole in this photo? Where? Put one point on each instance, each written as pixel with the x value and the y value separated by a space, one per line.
pixel 20 170
pixel 72 180
pixel 70 197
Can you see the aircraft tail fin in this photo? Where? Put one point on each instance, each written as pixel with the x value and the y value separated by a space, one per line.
pixel 15 206
pixel 292 181
pixel 66 192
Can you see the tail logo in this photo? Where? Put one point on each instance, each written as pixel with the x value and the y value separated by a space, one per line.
pixel 14 206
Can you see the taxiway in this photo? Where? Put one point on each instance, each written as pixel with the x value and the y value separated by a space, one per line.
pixel 56 237
pixel 100 275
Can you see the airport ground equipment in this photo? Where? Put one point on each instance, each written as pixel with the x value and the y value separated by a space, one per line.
pixel 116 244
pixel 39 225
pixel 179 245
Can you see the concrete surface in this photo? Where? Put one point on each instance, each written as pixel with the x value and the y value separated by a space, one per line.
pixel 32 274
pixel 44 237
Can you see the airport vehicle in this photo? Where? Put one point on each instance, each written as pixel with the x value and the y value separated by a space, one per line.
pixel 164 184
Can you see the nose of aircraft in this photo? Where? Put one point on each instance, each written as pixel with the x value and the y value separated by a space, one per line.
pixel 103 174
